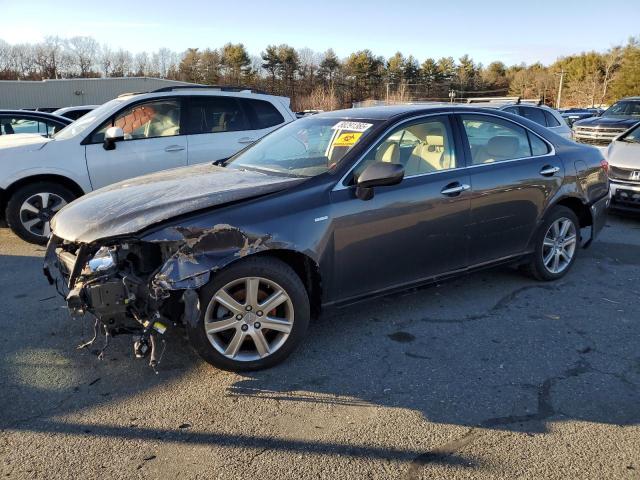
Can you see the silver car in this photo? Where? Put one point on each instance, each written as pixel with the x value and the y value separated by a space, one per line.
pixel 540 114
pixel 623 155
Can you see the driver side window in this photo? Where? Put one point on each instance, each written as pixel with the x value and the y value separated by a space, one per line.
pixel 420 147
pixel 160 118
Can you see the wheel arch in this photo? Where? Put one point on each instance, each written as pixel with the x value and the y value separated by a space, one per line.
pixel 50 177
pixel 578 207
pixel 306 268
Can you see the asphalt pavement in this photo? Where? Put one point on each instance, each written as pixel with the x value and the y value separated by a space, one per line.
pixel 493 375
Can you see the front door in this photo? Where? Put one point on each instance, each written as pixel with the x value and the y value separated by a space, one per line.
pixel 407 232
pixel 152 142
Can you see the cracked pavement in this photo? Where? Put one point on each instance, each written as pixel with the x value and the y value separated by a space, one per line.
pixel 489 376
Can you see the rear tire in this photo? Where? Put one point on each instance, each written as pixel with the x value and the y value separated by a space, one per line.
pixel 556 245
pixel 28 215
pixel 243 331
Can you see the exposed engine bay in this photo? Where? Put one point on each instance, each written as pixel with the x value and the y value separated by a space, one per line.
pixel 143 287
pixel 113 284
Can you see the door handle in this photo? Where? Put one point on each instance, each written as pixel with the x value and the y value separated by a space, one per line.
pixel 548 170
pixel 246 140
pixel 174 148
pixel 454 189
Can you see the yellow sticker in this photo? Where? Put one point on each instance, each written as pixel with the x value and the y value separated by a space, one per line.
pixel 347 139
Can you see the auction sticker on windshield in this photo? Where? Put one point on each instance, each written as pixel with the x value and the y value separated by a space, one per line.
pixel 352 126
pixel 347 139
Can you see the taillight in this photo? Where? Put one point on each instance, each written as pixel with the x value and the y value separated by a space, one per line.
pixel 605 166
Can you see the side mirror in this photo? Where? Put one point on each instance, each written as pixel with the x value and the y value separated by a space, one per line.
pixel 378 174
pixel 111 136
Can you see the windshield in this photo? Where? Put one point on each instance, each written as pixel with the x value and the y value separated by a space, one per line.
pixel 304 148
pixel 623 109
pixel 633 136
pixel 83 123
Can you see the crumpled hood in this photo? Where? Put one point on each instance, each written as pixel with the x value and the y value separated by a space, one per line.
pixel 24 141
pixel 132 205
pixel 608 122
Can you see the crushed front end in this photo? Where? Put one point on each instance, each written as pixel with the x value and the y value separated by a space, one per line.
pixel 113 282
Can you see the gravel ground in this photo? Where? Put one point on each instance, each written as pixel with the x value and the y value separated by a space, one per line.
pixel 489 376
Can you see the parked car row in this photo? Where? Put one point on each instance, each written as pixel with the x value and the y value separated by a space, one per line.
pixel 617 119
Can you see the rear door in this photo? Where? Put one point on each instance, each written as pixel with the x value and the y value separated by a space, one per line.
pixel 514 173
pixel 153 141
pixel 410 231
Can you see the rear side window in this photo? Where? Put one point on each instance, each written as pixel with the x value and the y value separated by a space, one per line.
pixel 534 114
pixel 538 147
pixel 262 114
pixel 551 120
pixel 215 115
pixel 9 125
pixel 495 140
pixel 513 110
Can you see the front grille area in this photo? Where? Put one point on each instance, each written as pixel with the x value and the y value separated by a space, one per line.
pixel 596 135
pixel 627 197
pixel 628 175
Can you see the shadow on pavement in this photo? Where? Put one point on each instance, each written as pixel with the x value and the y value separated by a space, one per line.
pixel 490 351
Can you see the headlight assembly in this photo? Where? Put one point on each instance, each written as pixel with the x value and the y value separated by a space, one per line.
pixel 103 260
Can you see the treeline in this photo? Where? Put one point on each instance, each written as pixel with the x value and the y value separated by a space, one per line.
pixel 325 81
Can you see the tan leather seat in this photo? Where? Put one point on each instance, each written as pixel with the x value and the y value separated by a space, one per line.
pixel 389 153
pixel 501 147
pixel 427 155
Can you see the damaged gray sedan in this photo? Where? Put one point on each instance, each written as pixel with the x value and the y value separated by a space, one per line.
pixel 326 211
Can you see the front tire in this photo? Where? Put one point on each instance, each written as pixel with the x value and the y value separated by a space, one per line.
pixel 31 207
pixel 556 245
pixel 253 315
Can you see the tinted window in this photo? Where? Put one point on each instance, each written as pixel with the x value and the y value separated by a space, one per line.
pixel 215 115
pixel 624 108
pixel 262 114
pixel 145 120
pixel 75 114
pixel 513 110
pixel 534 114
pixel 538 147
pixel 551 120
pixel 421 147
pixel 495 140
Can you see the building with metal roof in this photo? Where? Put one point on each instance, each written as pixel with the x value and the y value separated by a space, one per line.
pixel 53 94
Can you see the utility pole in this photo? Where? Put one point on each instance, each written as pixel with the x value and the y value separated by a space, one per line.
pixel 387 93
pixel 559 99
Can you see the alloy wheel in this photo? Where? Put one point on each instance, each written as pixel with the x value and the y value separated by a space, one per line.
pixel 37 210
pixel 559 245
pixel 249 318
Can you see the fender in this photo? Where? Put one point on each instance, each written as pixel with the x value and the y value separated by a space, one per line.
pixel 198 252
pixel 82 181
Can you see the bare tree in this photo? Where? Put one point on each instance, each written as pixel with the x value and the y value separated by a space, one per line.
pixel 122 63
pixel 84 51
pixel 142 64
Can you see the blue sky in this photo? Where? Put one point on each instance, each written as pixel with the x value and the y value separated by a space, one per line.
pixel 487 30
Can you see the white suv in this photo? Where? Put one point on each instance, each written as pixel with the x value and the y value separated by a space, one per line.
pixel 131 135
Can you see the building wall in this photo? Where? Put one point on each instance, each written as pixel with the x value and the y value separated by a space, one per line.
pixel 75 91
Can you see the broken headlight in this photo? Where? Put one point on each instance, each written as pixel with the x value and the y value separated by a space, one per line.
pixel 103 260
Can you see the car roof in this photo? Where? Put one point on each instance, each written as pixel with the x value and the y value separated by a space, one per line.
pixel 77 107
pixel 213 91
pixel 33 113
pixel 392 112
